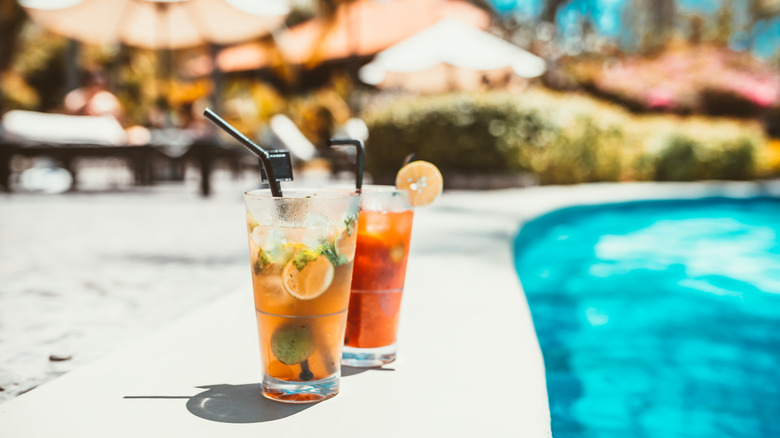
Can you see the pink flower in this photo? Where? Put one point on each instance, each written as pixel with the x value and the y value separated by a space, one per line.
pixel 660 97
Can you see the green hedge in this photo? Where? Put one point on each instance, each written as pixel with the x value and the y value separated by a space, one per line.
pixel 557 138
pixel 688 159
pixel 458 133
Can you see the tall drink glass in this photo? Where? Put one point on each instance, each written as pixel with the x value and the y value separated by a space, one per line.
pixel 383 237
pixel 301 249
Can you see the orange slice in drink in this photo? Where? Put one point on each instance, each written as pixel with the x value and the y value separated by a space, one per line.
pixel 422 180
pixel 311 281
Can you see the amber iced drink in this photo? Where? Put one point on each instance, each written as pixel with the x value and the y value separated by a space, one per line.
pixel 301 249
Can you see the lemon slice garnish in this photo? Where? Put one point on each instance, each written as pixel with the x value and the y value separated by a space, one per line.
pixel 311 281
pixel 422 180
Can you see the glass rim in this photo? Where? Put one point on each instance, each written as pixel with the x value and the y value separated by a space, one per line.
pixel 384 199
pixel 371 188
pixel 303 193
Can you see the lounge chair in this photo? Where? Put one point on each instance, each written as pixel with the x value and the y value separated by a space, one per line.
pixel 65 138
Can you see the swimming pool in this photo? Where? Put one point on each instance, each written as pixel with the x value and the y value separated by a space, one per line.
pixel 658 318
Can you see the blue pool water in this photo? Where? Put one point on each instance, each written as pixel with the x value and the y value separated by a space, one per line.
pixel 658 318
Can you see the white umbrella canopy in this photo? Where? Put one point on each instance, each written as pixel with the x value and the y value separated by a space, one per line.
pixel 451 48
pixel 158 24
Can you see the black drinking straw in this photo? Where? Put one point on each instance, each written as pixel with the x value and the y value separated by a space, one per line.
pixel 262 154
pixel 360 151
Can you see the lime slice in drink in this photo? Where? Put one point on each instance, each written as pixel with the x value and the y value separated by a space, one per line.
pixel 307 277
pixel 292 344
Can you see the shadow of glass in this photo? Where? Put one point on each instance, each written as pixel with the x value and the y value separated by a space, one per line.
pixel 243 403
pixel 347 371
pixel 235 404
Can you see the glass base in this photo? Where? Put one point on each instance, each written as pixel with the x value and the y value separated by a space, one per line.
pixel 368 357
pixel 300 392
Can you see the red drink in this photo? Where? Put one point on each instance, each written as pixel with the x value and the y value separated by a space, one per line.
pixel 383 235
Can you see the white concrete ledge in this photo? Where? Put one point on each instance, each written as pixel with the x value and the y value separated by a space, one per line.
pixel 469 362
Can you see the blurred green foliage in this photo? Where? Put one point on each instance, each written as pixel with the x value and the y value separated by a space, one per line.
pixel 461 133
pixel 35 80
pixel 689 159
pixel 557 138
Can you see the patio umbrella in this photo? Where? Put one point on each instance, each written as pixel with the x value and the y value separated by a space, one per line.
pixel 163 25
pixel 360 28
pixel 158 24
pixel 449 54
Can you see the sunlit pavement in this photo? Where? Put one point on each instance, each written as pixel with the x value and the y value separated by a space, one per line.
pixel 82 274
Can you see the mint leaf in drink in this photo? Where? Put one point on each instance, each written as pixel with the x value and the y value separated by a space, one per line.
pixel 261 262
pixel 351 223
pixel 328 249
pixel 303 257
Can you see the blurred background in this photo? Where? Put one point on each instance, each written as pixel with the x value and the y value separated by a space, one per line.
pixel 557 91
pixel 123 205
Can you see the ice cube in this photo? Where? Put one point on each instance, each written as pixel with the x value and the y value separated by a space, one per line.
pixel 377 223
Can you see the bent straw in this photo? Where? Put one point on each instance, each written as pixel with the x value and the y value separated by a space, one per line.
pixel 262 154
pixel 360 151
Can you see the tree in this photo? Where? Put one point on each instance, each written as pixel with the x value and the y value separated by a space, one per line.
pixel 551 8
pixel 763 9
pixel 662 19
pixel 725 23
pixel 12 18
pixel 663 14
pixel 758 11
pixel 648 24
